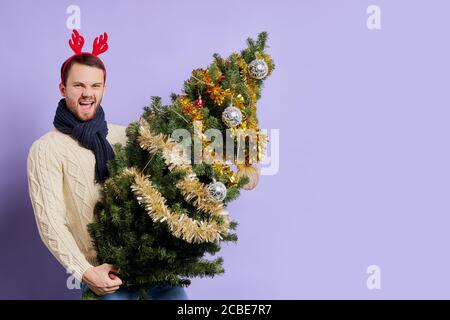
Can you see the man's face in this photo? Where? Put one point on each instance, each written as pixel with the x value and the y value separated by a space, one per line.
pixel 83 90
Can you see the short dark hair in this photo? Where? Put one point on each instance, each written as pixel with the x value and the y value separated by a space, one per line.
pixel 85 59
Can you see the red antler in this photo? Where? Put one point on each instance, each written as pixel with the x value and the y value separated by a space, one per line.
pixel 100 44
pixel 77 42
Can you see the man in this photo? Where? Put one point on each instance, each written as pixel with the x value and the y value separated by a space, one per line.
pixel 67 166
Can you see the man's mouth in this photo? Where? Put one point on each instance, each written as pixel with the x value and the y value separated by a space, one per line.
pixel 86 104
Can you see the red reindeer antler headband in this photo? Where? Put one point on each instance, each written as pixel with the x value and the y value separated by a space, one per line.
pixel 76 43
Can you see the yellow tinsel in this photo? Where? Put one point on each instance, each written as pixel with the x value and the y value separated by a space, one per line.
pixel 187 106
pixel 192 189
pixel 218 95
pixel 180 225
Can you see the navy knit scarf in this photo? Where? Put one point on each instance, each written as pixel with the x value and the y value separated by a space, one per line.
pixel 91 135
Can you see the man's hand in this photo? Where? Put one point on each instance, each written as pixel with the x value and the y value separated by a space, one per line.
pixel 99 280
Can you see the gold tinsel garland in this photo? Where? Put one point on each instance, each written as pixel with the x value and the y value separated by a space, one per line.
pixel 181 226
pixel 191 188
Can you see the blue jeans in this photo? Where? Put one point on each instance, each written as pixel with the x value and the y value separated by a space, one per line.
pixel 157 293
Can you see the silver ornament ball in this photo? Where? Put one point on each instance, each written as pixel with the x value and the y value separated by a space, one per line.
pixel 217 191
pixel 232 116
pixel 258 69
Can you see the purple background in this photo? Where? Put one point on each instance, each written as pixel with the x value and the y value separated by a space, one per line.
pixel 363 116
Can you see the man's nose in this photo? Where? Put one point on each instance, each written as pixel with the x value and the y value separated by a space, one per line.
pixel 88 92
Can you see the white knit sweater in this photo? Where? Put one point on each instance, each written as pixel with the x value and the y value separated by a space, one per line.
pixel 61 184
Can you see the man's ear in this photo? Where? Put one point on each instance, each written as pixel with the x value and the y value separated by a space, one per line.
pixel 62 89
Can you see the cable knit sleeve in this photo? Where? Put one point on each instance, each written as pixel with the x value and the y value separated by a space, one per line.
pixel 45 183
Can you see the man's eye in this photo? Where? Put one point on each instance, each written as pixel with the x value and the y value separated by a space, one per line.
pixel 76 85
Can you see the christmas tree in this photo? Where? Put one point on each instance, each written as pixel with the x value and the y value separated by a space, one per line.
pixel 163 208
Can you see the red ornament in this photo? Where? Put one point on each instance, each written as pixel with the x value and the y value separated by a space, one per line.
pixel 199 102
